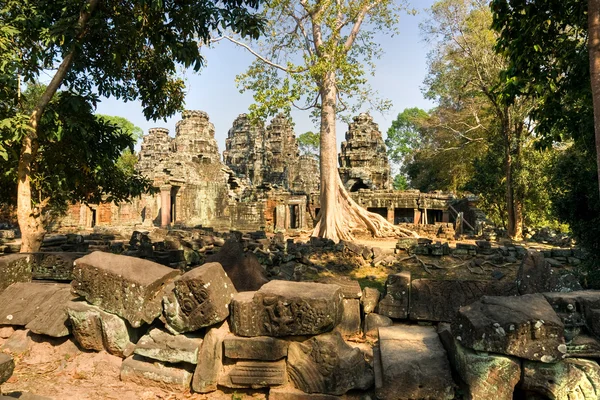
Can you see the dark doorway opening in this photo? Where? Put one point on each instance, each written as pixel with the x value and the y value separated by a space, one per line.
pixel 404 216
pixel 93 219
pixel 357 185
pixel 378 210
pixel 294 216
pixel 434 216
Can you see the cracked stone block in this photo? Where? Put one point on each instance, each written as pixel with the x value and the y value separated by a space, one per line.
pixel 139 370
pixel 127 286
pixel 375 321
pixel 486 375
pixel 198 299
pixel 395 303
pixel 326 364
pixel 282 308
pixel 523 326
pixel 158 344
pixel 209 369
pixel 370 300
pixel 52 317
pixel 14 268
pixel 573 378
pixel 414 365
pixel 254 374
pixel 95 329
pixel 350 324
pixel 262 348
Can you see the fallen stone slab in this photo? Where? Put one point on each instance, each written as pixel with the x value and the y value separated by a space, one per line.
pixel 375 321
pixel 439 300
pixel 573 378
pixel 536 275
pixel 7 366
pixel 370 300
pixel 41 304
pixel 243 268
pixel 139 370
pixel 57 266
pixel 127 286
pixel 262 348
pixel 524 326
pixel 414 364
pixel 326 364
pixel 349 326
pixel 198 299
pixel 396 300
pixel 350 287
pixel 14 268
pixel 282 308
pixel 206 375
pixel 254 374
pixel 486 375
pixel 95 329
pixel 52 318
pixel 161 345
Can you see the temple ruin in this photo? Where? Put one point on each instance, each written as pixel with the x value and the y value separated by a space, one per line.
pixel 262 182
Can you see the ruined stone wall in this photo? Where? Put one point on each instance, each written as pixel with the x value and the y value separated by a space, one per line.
pixel 305 177
pixel 363 159
pixel 244 150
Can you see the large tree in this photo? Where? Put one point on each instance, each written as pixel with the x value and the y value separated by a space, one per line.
pixel 315 55
pixel 126 49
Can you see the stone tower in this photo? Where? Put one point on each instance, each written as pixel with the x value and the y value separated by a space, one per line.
pixel 363 160
pixel 195 138
pixel 244 149
pixel 281 152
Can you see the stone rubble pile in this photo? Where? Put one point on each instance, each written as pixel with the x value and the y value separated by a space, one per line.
pixel 224 325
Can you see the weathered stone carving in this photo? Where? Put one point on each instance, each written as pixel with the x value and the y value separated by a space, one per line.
pixel 199 298
pixel 207 371
pixel 573 378
pixel 262 348
pixel 326 364
pixel 397 294
pixel 14 268
pixel 282 308
pixel 363 159
pixel 244 149
pixel 524 326
pixel 136 369
pixel 370 300
pixel 255 374
pixel 160 345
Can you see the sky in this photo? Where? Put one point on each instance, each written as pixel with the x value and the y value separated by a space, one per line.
pixel 399 77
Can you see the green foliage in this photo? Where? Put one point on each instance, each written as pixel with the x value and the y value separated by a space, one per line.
pixel 309 143
pixel 403 136
pixel 305 42
pixel 125 125
pixel 400 182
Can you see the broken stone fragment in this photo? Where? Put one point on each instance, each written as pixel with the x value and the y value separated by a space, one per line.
pixel 199 298
pixel 486 375
pixel 524 326
pixel 350 287
pixel 7 366
pixel 536 275
pixel 254 374
pixel 375 321
pixel 95 329
pixel 350 324
pixel 263 348
pixel 573 378
pixel 397 293
pixel 370 300
pixel 209 368
pixel 57 266
pixel 282 308
pixel 414 365
pixel 326 364
pixel 14 268
pixel 127 286
pixel 161 345
pixel 40 304
pixel 138 370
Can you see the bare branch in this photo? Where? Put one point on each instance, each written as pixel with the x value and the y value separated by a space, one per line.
pixel 359 20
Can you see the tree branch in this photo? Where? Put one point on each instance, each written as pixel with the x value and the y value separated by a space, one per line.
pixel 359 20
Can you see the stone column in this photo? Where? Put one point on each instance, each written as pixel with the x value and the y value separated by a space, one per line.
pixel 165 205
pixel 417 216
pixel 390 215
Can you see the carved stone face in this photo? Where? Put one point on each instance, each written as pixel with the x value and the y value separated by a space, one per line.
pixel 192 296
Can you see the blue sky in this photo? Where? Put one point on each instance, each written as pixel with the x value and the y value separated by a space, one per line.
pixel 399 77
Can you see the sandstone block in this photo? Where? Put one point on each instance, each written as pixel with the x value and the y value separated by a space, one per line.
pixel 127 286
pixel 577 310
pixel 370 300
pixel 282 308
pixel 57 266
pixel 52 317
pixel 375 321
pixel 95 329
pixel 573 378
pixel 160 345
pixel 350 287
pixel 414 365
pixel 524 326
pixel 209 368
pixel 138 370
pixel 199 298
pixel 350 324
pixel 536 275
pixel 486 375
pixel 263 348
pixel 584 346
pixel 397 295
pixel 254 374
pixel 14 268
pixel 326 364
pixel 439 300
pixel 7 366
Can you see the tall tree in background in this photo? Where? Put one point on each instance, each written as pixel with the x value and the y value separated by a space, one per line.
pixel 126 49
pixel 315 55
pixel 128 159
pixel 309 143
pixel 594 55
pixel 464 79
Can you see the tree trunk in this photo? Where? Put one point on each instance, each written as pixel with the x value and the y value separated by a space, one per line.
pixel 594 54
pixel 30 217
pixel 340 215
pixel 514 207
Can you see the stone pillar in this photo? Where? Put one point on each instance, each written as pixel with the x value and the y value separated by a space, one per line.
pixel 165 205
pixel 390 215
pixel 446 216
pixel 417 216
